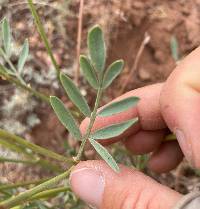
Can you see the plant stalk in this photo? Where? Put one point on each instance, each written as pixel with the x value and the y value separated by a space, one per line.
pixel 21 184
pixel 92 119
pixel 20 150
pixel 170 137
pixel 49 193
pixel 43 35
pixel 11 66
pixel 9 78
pixel 22 197
pixel 40 150
pixel 11 160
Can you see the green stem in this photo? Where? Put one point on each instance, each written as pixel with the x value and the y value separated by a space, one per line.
pixel 21 184
pixel 42 33
pixel 10 160
pixel 43 163
pixel 49 193
pixel 170 137
pixel 40 150
pixel 24 196
pixel 14 147
pixel 11 65
pixel 23 86
pixel 92 119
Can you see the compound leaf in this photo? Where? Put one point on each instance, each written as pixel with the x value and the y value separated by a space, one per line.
pixel 113 71
pixel 103 152
pixel 23 56
pixel 75 95
pixel 88 71
pixel 96 47
pixel 113 130
pixel 119 106
pixel 65 117
pixel 6 36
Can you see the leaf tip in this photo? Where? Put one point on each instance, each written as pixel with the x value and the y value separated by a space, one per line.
pixel 95 28
pixel 82 58
pixel 51 98
pixel 63 78
pixel 61 75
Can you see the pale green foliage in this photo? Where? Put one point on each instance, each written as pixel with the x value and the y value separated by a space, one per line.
pixel 94 70
pixel 104 154
pixel 88 72
pixel 174 48
pixel 65 117
pixel 75 95
pixel 118 106
pixel 6 54
pixel 96 47
pixel 95 74
pixel 6 36
pixel 113 71
pixel 113 130
pixel 23 56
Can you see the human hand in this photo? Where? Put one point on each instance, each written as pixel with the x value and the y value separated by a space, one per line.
pixel 173 104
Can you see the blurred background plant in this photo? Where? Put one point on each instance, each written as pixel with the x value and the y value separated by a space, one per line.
pixel 173 27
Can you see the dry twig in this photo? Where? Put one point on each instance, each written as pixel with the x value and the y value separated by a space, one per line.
pixel 79 34
pixel 136 62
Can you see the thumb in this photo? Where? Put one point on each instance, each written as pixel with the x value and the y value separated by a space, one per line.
pixel 180 105
pixel 99 186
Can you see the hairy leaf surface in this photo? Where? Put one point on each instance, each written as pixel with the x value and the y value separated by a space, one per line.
pixel 103 152
pixel 113 130
pixel 75 95
pixel 65 117
pixel 119 106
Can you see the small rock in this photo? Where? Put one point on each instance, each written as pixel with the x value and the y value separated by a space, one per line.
pixel 159 56
pixel 144 75
pixel 138 5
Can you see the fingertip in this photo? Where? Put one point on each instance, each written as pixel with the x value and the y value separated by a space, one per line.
pixel 97 184
pixel 166 158
pixel 144 142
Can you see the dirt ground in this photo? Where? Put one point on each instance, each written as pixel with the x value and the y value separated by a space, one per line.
pixel 125 24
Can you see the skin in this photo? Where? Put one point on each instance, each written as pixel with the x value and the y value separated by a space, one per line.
pixel 173 105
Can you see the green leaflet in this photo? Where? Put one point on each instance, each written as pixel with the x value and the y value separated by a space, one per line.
pixel 113 130
pixel 23 56
pixel 88 72
pixel 119 106
pixel 96 47
pixel 65 117
pixel 174 48
pixel 6 36
pixel 75 95
pixel 113 71
pixel 105 154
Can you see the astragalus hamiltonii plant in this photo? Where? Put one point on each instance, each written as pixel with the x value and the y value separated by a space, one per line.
pixel 99 77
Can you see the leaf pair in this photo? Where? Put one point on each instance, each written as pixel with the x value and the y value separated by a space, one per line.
pixel 93 68
pixel 63 113
pixel 89 73
pixel 109 132
pixel 7 44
